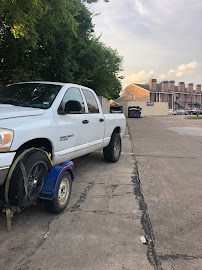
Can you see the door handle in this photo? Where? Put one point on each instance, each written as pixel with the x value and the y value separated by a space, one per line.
pixel 85 121
pixel 101 120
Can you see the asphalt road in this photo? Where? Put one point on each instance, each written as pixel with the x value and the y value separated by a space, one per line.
pixel 168 151
pixel 99 230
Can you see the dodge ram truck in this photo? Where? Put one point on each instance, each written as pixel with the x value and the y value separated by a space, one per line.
pixel 43 124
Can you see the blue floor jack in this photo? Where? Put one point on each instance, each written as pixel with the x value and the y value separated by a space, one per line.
pixel 56 191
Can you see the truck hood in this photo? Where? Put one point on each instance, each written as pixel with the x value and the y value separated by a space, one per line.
pixel 10 111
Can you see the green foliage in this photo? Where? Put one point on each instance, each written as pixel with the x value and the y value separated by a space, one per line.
pixel 193 117
pixel 49 40
pixel 98 68
pixel 19 17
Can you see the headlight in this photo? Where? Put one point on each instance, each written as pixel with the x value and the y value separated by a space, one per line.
pixel 6 138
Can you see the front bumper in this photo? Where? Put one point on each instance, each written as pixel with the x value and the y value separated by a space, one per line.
pixel 6 160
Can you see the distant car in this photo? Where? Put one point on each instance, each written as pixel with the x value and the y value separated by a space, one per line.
pixel 194 111
pixel 182 111
pixel 172 112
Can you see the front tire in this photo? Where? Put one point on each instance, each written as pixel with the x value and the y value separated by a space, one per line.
pixel 112 152
pixel 63 193
pixel 27 178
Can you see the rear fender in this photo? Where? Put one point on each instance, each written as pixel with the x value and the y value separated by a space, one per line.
pixel 50 185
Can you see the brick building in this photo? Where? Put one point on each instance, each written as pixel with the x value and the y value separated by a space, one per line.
pixel 177 97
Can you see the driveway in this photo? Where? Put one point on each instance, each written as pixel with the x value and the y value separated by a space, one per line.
pixel 168 152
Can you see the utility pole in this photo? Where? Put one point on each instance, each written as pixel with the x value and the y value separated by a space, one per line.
pixel 191 101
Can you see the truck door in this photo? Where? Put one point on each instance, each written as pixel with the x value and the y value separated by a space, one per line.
pixel 96 125
pixel 73 129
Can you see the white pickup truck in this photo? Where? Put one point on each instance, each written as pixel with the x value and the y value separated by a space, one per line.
pixel 43 124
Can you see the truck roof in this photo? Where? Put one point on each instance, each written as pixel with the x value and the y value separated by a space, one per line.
pixel 55 83
pixel 44 82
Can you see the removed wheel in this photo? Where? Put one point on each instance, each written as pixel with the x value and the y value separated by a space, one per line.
pixel 26 177
pixel 112 152
pixel 63 193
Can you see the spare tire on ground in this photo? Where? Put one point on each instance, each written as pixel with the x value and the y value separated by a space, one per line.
pixel 26 177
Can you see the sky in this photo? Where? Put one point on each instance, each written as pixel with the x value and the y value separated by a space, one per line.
pixel 159 39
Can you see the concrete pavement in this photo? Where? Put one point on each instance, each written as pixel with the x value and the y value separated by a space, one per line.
pixel 154 190
pixel 100 229
pixel 169 161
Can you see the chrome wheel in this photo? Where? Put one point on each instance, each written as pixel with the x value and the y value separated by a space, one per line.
pixel 117 147
pixel 64 188
pixel 64 191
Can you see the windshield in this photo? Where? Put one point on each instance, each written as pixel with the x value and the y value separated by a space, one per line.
pixel 35 95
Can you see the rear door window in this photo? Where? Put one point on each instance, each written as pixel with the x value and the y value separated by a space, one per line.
pixel 91 101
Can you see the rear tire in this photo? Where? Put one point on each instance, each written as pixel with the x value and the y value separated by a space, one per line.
pixel 63 194
pixel 112 152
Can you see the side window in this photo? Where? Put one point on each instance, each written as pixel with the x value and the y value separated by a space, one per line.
pixel 73 94
pixel 91 101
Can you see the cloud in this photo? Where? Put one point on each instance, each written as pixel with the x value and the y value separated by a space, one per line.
pixel 152 35
pixel 182 71
pixel 189 67
pixel 140 77
pixel 140 7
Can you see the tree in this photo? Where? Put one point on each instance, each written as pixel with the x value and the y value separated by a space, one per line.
pixel 99 66
pixel 41 40
pixel 29 36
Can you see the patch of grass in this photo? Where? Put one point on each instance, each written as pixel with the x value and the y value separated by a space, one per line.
pixel 194 117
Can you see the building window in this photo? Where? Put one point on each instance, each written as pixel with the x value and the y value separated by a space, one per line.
pixel 133 97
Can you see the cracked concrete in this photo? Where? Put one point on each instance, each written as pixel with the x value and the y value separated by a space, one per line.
pixel 100 229
pixel 102 225
pixel 169 166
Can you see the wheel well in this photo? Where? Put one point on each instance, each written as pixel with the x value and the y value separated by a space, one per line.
pixel 70 172
pixel 117 130
pixel 41 143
